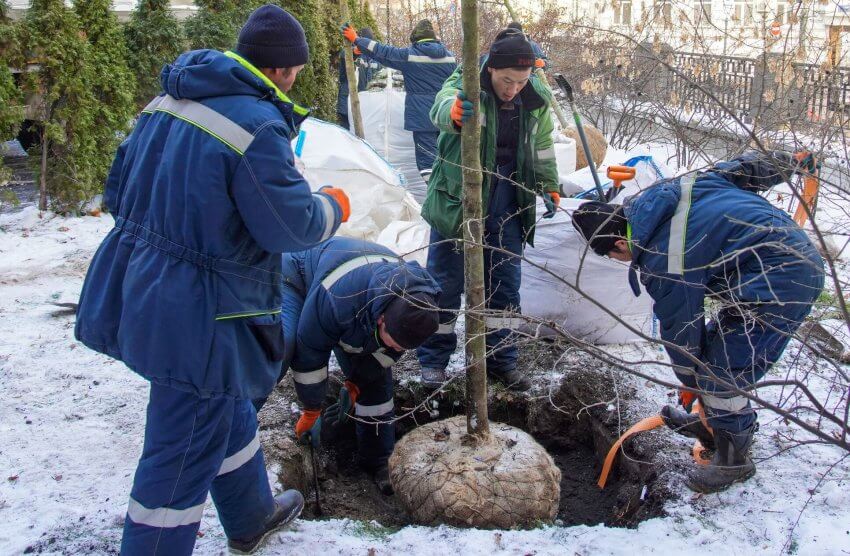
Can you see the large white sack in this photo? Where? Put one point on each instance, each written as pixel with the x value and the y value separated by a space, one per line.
pixel 332 156
pixel 383 125
pixel 563 254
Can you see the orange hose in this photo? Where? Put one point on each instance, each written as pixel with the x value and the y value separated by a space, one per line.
pixel 810 192
pixel 643 425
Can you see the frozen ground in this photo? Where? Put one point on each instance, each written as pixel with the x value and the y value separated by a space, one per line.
pixel 71 426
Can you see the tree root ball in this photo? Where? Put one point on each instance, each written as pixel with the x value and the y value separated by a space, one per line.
pixel 597 142
pixel 440 477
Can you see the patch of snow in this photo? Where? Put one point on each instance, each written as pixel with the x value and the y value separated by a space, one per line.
pixel 72 422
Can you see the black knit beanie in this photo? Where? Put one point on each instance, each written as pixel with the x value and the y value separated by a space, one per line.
pixel 366 33
pixel 510 50
pixel 601 224
pixel 515 25
pixel 423 31
pixel 411 320
pixel 272 38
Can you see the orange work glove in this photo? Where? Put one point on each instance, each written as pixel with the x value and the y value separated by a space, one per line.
pixel 357 51
pixel 462 109
pixel 551 200
pixel 349 32
pixel 806 161
pixel 540 63
pixel 687 399
pixel 306 421
pixel 353 391
pixel 341 199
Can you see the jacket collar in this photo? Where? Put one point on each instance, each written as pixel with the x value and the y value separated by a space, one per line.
pixel 281 100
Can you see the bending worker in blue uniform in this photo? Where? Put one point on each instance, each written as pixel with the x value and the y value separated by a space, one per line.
pixel 186 291
pixel 710 235
pixel 425 64
pixel 365 304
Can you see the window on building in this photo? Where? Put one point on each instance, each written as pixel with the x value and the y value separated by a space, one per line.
pixel 785 11
pixel 743 11
pixel 623 12
pixel 663 10
pixel 702 12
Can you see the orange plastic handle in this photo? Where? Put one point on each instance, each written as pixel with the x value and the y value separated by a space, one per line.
pixel 627 172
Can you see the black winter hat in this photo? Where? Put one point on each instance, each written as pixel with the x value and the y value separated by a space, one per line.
pixel 423 31
pixel 601 224
pixel 510 50
pixel 273 38
pixel 411 320
pixel 366 33
pixel 515 25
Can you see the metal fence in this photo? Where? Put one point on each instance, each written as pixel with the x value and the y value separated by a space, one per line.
pixel 700 77
pixel 824 93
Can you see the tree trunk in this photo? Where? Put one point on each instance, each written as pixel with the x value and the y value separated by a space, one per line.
pixel 477 422
pixel 556 108
pixel 351 73
pixel 42 178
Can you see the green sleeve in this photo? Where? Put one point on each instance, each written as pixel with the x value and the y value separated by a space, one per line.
pixel 441 112
pixel 545 166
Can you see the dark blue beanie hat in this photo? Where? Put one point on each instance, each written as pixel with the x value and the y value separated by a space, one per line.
pixel 272 38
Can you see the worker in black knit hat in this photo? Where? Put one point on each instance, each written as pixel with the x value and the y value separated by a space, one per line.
pixel 520 158
pixel 206 197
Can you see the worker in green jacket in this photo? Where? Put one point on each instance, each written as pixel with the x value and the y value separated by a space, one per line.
pixel 518 159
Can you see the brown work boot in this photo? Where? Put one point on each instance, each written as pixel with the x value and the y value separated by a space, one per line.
pixel 730 463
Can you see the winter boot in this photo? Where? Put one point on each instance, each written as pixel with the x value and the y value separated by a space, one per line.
pixel 513 380
pixel 730 464
pixel 287 507
pixel 687 424
pixel 382 481
pixel 433 378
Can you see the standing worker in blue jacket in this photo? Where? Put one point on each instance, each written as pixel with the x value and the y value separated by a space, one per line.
pixel 365 69
pixel 365 304
pixel 710 235
pixel 425 65
pixel 186 291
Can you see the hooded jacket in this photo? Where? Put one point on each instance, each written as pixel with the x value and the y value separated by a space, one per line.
pixel 345 284
pixel 186 288
pixel 711 235
pixel 425 65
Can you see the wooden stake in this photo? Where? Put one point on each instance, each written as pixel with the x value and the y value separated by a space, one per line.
pixel 351 73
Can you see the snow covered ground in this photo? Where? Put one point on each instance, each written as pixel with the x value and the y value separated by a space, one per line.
pixel 71 426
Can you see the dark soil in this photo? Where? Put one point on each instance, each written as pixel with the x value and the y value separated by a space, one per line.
pixel 575 432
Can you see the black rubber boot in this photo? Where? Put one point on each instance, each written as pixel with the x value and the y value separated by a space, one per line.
pixel 513 380
pixel 433 378
pixel 287 507
pixel 382 481
pixel 687 424
pixel 730 464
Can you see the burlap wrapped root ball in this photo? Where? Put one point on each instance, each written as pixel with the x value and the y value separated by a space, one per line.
pixel 508 482
pixel 597 142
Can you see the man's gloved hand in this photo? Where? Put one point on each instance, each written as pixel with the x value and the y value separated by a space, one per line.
pixel 552 200
pixel 539 63
pixel 341 199
pixel 462 109
pixel 337 414
pixel 687 399
pixel 806 162
pixel 309 427
pixel 349 32
pixel 357 51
